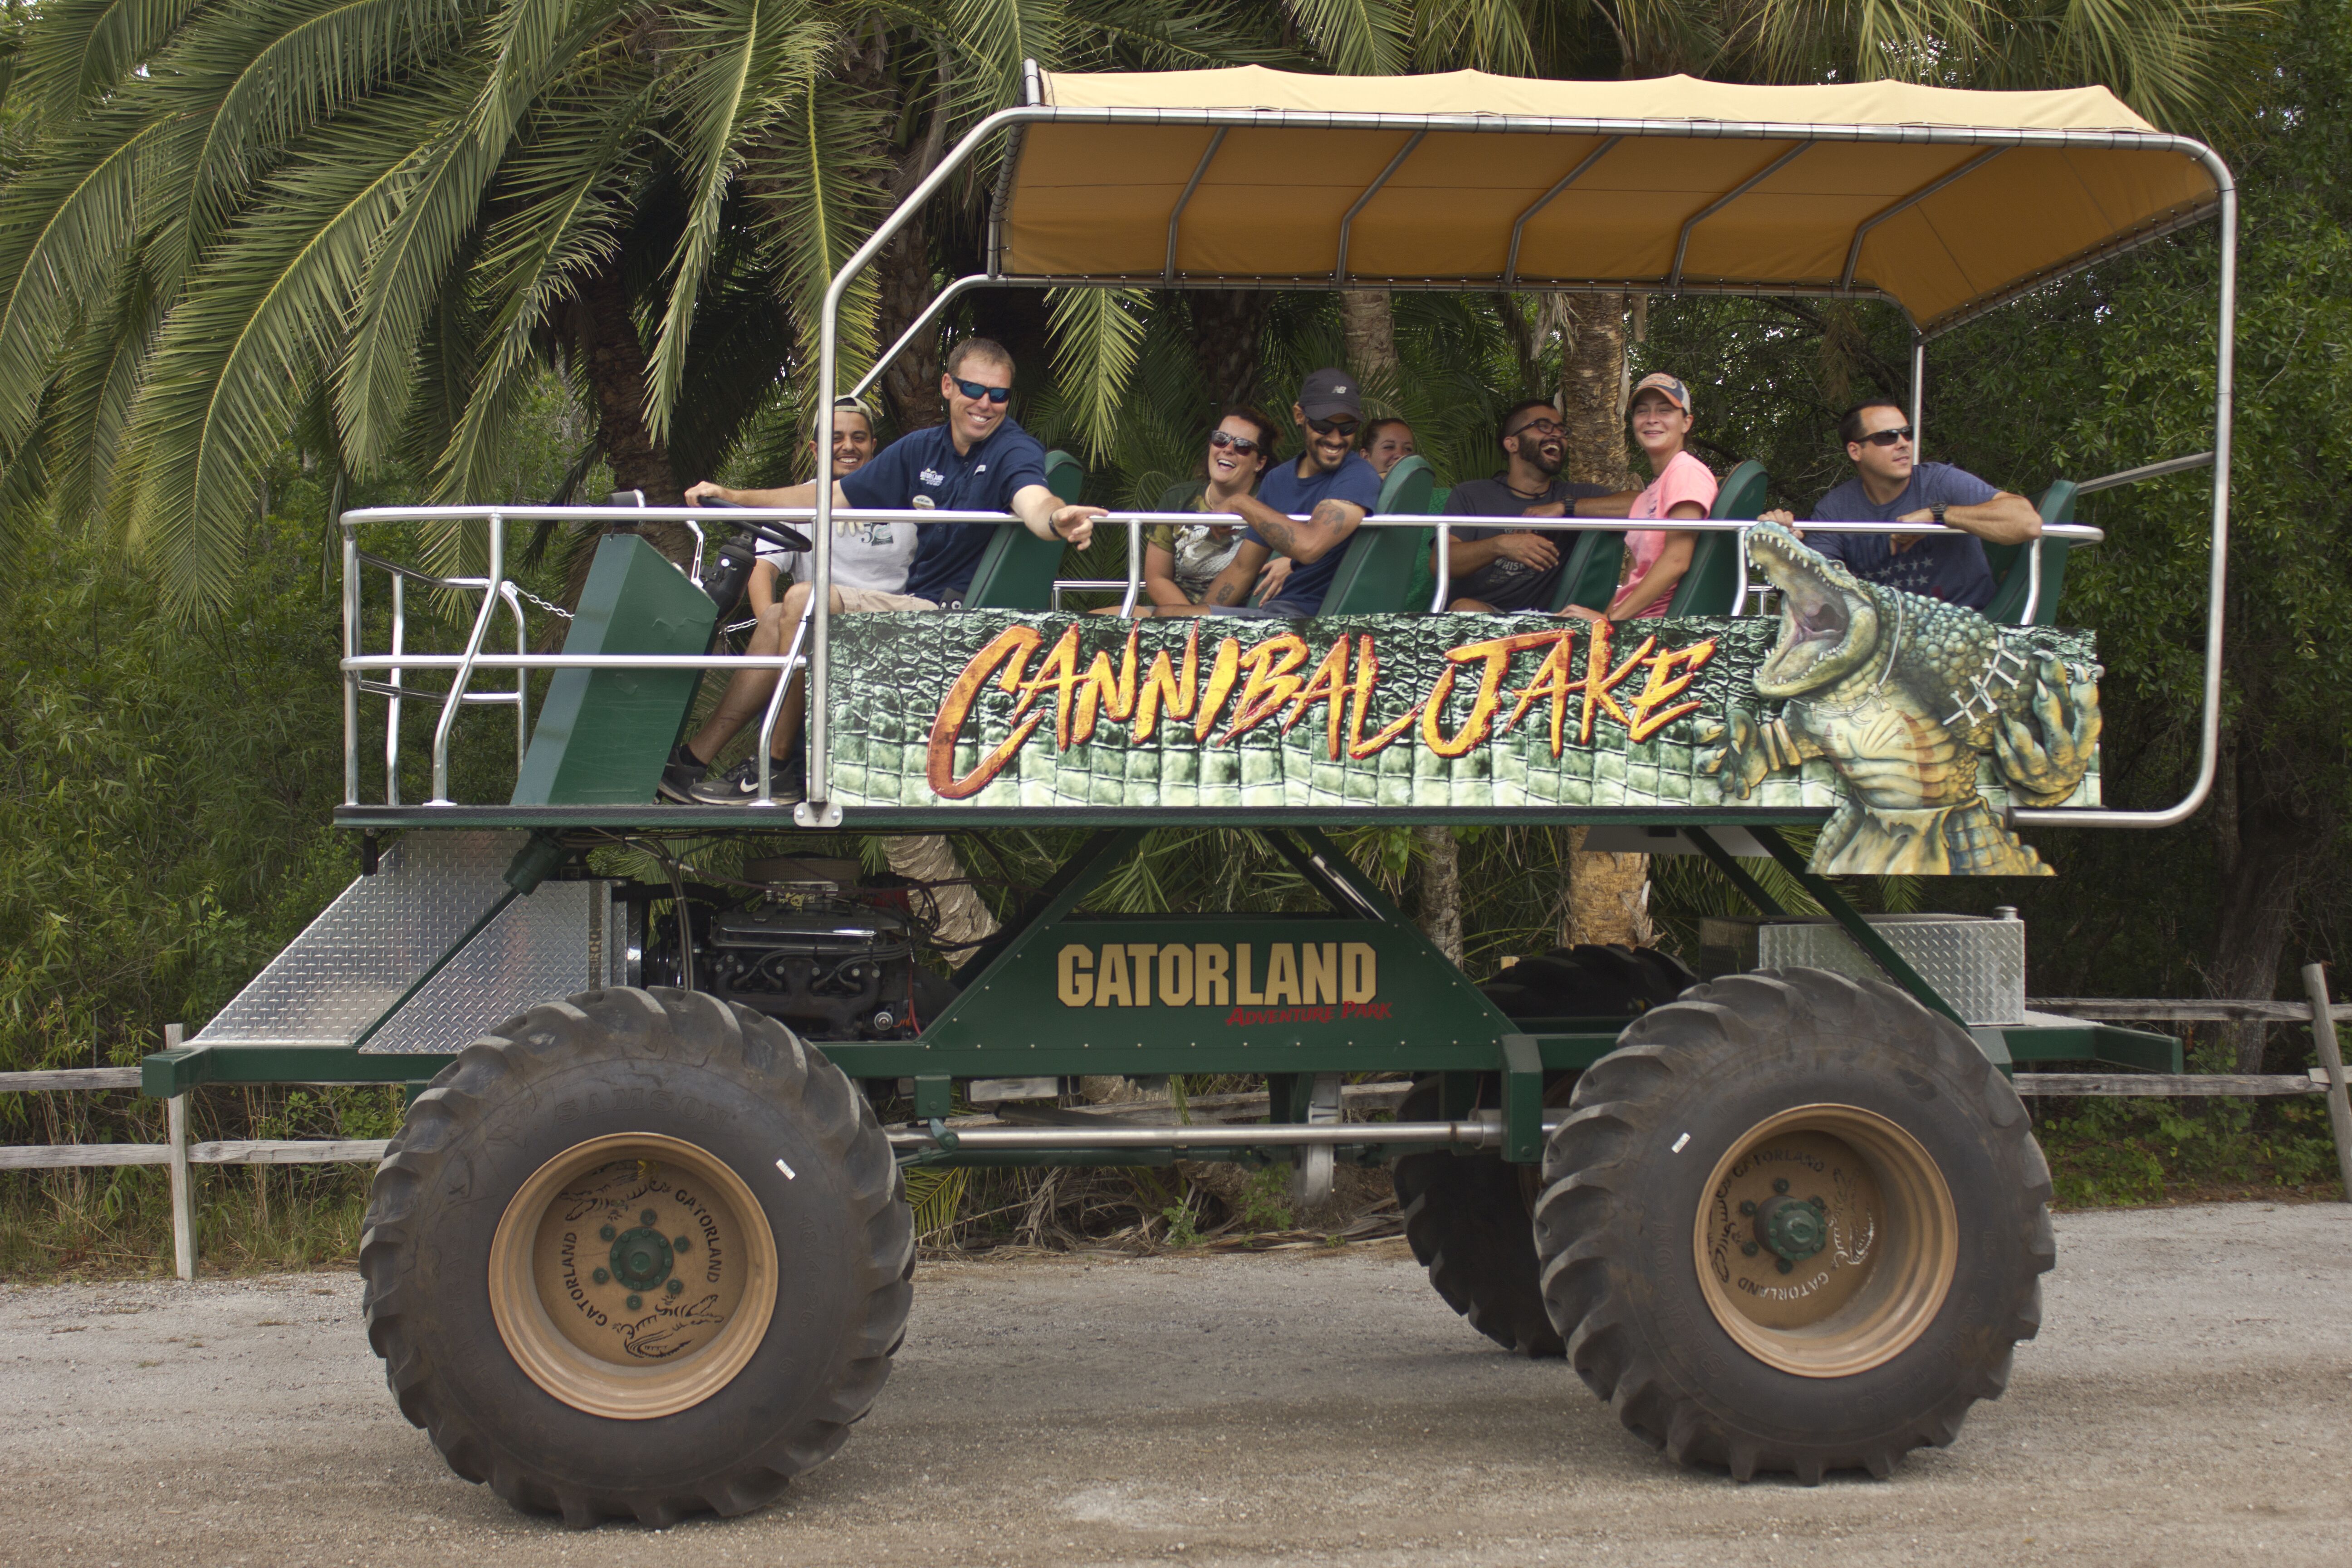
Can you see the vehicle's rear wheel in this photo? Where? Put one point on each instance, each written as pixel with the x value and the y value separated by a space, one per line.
pixel 1467 1216
pixel 1796 1222
pixel 638 1253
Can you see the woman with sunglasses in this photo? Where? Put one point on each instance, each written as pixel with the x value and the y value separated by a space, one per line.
pixel 1180 562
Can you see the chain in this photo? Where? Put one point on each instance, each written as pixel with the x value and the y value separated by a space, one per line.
pixel 543 604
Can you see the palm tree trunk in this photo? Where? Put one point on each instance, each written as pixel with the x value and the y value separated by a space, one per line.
pixel 613 357
pixel 1228 339
pixel 1608 895
pixel 1368 328
pixel 1441 891
pixel 605 330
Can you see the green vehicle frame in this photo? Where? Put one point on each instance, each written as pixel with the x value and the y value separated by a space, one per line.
pixel 714 1336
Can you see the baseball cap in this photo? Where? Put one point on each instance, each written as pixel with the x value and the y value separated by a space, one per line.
pixel 1671 385
pixel 1328 391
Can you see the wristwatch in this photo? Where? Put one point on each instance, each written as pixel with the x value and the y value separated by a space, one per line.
pixel 1936 510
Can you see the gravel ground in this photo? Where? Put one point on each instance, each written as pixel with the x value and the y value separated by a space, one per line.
pixel 2190 1402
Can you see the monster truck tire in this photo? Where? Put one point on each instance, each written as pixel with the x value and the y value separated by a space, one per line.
pixel 1686 1175
pixel 638 1253
pixel 1467 1216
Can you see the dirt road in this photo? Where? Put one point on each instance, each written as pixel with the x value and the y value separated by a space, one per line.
pixel 2190 1402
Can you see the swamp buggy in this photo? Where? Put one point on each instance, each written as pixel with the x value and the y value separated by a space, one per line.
pixel 642 1246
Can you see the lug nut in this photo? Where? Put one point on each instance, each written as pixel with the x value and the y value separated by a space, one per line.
pixel 606 1234
pixel 650 1217
pixel 1745 1208
pixel 674 1285
pixel 681 1243
pixel 1786 1268
pixel 1748 1247
pixel 636 1302
pixel 603 1277
pixel 1779 1183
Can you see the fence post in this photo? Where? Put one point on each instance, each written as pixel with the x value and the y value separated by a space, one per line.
pixel 183 1196
pixel 2323 1035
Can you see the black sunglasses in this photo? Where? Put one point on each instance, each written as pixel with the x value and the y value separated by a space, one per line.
pixel 1540 426
pixel 1240 444
pixel 1325 426
pixel 974 390
pixel 1887 438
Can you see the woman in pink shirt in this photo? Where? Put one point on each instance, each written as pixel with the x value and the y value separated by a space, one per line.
pixel 1683 486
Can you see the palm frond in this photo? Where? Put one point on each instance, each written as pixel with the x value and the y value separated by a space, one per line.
pixel 63 231
pixel 239 346
pixel 79 51
pixel 739 46
pixel 1357 37
pixel 1095 333
pixel 1484 35
pixel 561 191
pixel 245 81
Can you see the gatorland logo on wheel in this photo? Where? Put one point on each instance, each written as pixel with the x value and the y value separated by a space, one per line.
pixel 1914 722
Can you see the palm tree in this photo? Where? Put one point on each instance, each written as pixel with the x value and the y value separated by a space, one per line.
pixel 390 213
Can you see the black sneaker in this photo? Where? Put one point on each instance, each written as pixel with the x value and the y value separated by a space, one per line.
pixel 739 785
pixel 680 775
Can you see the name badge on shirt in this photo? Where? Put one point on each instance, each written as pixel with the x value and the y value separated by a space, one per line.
pixel 932 477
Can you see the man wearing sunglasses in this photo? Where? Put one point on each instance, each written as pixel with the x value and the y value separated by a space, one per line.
pixel 979 460
pixel 1889 486
pixel 1331 484
pixel 1514 568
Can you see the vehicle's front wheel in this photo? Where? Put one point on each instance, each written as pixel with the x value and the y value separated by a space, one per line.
pixel 1795 1222
pixel 638 1253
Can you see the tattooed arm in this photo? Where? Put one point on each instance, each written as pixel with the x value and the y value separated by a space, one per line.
pixel 1235 584
pixel 1326 528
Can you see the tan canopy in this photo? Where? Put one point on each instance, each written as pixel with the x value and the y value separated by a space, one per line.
pixel 1946 202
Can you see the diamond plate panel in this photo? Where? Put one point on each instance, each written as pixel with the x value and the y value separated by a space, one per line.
pixel 385 931
pixel 1975 964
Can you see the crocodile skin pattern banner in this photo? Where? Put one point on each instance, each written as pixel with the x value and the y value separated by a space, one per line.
pixel 992 708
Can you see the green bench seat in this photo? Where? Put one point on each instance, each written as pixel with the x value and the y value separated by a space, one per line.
pixel 2008 561
pixel 1017 570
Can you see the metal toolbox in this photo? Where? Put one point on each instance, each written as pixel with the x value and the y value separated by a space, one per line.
pixel 1975 963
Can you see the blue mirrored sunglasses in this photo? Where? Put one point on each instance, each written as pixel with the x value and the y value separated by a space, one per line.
pixel 974 390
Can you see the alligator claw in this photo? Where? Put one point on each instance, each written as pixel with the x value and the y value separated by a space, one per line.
pixel 2044 761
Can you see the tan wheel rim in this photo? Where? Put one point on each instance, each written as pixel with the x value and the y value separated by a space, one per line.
pixel 633 1276
pixel 1826 1241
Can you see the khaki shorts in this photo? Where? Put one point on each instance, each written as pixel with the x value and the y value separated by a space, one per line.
pixel 871 599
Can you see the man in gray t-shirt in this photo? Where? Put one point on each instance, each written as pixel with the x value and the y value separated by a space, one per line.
pixel 1514 568
pixel 1888 486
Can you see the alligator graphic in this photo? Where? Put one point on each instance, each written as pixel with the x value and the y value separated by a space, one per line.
pixel 1901 693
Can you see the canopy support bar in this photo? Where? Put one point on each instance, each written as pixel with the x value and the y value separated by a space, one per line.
pixel 1682 241
pixel 1168 273
pixel 2208 740
pixel 1339 272
pixel 915 328
pixel 1862 230
pixel 1511 266
pixel 1919 397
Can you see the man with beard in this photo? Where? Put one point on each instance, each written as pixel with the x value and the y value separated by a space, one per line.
pixel 1515 568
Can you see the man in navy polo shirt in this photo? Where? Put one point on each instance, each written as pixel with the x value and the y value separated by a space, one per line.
pixel 1331 484
pixel 979 460
pixel 1889 487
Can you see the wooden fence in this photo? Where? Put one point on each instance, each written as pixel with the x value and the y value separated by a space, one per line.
pixel 182 1156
